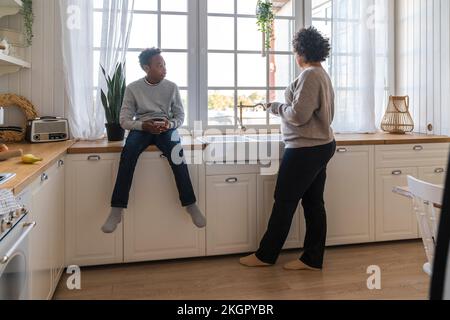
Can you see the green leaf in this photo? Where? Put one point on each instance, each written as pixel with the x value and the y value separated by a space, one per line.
pixel 116 84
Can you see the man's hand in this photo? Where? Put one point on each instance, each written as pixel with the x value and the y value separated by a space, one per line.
pixel 153 128
pixel 165 127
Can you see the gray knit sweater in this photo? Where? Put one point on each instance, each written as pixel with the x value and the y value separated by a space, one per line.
pixel 144 101
pixel 309 110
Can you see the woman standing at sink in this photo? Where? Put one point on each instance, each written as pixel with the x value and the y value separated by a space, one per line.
pixel 306 117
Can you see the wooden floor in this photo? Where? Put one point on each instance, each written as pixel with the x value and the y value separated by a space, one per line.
pixel 344 277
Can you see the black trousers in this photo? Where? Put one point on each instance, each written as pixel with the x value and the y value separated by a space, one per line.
pixel 169 144
pixel 302 176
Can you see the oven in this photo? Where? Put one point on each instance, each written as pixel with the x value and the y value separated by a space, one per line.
pixel 15 229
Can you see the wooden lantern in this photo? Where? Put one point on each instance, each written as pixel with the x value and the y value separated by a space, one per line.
pixel 397 119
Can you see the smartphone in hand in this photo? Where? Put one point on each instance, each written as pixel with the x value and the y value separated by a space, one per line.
pixel 160 122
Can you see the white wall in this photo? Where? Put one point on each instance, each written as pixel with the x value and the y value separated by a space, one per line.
pixel 423 61
pixel 44 83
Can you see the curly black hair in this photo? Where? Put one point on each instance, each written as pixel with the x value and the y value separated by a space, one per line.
pixel 310 44
pixel 146 56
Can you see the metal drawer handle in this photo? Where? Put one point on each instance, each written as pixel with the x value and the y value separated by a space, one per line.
pixel 418 148
pixel 28 227
pixel 342 150
pixel 231 180
pixel 60 163
pixel 94 158
pixel 44 177
pixel 397 172
pixel 439 170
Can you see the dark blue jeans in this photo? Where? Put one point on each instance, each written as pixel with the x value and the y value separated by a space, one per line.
pixel 302 176
pixel 137 142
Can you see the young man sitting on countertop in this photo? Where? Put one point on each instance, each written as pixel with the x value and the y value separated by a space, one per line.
pixel 152 110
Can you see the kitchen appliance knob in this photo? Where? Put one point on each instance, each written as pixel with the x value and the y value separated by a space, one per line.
pixel 6 224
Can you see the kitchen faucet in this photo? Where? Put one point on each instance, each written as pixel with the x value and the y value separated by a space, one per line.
pixel 241 108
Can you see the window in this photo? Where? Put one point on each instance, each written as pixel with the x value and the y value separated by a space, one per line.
pixel 362 59
pixel 321 16
pixel 213 53
pixel 156 23
pixel 234 70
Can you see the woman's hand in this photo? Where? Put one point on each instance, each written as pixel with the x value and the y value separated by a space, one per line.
pixel 268 106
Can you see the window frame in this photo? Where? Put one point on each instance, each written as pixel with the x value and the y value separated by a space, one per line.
pixel 392 86
pixel 203 88
pixel 192 44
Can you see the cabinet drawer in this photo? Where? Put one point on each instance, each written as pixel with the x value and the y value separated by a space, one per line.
pixel 231 169
pixel 411 155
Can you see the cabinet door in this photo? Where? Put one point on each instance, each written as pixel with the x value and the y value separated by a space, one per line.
pixel 89 184
pixel 157 227
pixel 41 239
pixel 231 212
pixel 59 218
pixel 395 219
pixel 435 174
pixel 349 196
pixel 265 197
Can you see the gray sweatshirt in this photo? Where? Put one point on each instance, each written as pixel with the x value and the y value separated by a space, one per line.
pixel 144 101
pixel 309 110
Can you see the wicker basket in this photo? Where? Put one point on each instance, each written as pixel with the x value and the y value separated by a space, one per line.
pixel 13 100
pixel 397 119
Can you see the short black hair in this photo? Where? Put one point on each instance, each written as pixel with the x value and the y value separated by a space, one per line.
pixel 146 56
pixel 310 44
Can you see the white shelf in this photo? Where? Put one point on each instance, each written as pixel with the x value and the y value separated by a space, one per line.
pixel 10 64
pixel 10 7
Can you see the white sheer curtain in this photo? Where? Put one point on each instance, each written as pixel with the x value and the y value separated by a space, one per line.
pixel 86 117
pixel 77 48
pixel 117 19
pixel 360 63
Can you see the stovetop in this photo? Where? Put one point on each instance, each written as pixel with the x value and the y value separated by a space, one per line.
pixel 10 212
pixel 5 177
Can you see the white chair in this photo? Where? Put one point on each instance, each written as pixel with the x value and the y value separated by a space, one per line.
pixel 427 198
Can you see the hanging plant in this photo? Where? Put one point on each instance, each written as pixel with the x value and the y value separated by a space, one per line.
pixel 28 19
pixel 265 19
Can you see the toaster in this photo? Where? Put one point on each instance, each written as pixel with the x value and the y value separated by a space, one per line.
pixel 47 129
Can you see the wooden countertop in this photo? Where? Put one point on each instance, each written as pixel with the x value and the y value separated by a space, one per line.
pixel 50 152
pixel 388 139
pixel 103 146
pixel 27 173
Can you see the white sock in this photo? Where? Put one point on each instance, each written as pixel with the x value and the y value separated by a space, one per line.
pixel 113 220
pixel 197 216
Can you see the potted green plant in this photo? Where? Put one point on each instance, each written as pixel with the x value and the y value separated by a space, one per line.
pixel 265 20
pixel 112 102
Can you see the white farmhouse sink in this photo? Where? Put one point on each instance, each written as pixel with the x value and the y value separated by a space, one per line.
pixel 266 138
pixel 223 139
pixel 242 148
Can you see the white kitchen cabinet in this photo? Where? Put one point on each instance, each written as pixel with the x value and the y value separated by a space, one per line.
pixel 349 196
pixel 47 240
pixel 59 222
pixel 157 226
pixel 40 242
pixel 265 200
pixel 231 213
pixel 433 174
pixel 89 186
pixel 395 218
